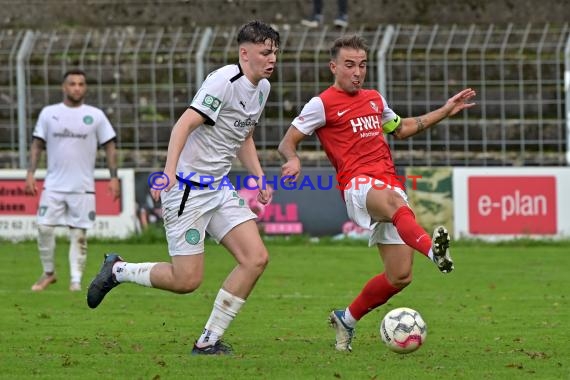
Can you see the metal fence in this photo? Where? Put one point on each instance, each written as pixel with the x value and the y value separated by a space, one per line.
pixel 144 79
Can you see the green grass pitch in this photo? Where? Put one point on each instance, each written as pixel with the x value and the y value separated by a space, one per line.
pixel 502 314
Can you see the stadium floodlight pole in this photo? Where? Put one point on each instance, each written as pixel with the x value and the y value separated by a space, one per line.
pixel 381 59
pixel 23 53
pixel 567 92
pixel 204 41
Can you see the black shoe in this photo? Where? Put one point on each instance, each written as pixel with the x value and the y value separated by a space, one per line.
pixel 103 282
pixel 218 348
pixel 440 249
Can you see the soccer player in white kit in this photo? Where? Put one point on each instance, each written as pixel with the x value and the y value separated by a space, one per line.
pixel 216 128
pixel 70 132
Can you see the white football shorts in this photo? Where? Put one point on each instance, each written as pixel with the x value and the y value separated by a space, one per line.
pixel 186 221
pixel 67 209
pixel 355 199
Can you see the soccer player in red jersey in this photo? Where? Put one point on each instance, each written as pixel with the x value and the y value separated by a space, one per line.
pixel 350 122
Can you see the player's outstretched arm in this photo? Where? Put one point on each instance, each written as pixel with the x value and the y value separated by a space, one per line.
pixel 411 126
pixel 288 151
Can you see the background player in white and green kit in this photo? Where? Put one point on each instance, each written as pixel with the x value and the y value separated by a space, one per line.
pixel 216 128
pixel 71 133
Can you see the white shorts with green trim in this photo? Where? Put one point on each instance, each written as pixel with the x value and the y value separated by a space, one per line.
pixel 188 217
pixel 75 210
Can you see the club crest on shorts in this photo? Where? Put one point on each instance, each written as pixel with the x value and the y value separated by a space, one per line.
pixel 192 236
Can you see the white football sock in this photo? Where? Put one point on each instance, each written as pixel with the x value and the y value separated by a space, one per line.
pixel 77 253
pixel 46 246
pixel 139 273
pixel 226 307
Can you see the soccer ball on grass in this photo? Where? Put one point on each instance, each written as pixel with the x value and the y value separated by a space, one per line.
pixel 403 330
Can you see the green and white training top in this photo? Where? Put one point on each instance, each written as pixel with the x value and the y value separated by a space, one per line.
pixel 72 136
pixel 232 106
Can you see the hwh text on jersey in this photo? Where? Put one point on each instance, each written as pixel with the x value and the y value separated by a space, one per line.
pixel 366 123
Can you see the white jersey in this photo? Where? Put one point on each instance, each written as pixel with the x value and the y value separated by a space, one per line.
pixel 72 136
pixel 232 106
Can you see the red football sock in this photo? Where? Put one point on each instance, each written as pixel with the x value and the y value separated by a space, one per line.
pixel 375 293
pixel 410 231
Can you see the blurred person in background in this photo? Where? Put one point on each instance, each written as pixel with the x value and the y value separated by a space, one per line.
pixel 317 17
pixel 70 132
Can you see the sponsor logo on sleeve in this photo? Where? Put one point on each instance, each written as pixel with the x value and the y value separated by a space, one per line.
pixel 211 102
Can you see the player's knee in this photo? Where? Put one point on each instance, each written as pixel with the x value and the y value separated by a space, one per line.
pixel 46 237
pixel 401 279
pixel 187 285
pixel 260 260
pixel 46 231
pixel 396 201
pixel 78 237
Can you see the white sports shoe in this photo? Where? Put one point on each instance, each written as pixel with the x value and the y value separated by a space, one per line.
pixel 341 21
pixel 344 334
pixel 440 249
pixel 313 22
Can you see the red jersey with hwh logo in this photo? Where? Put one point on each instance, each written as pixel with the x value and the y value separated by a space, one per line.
pixel 351 129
